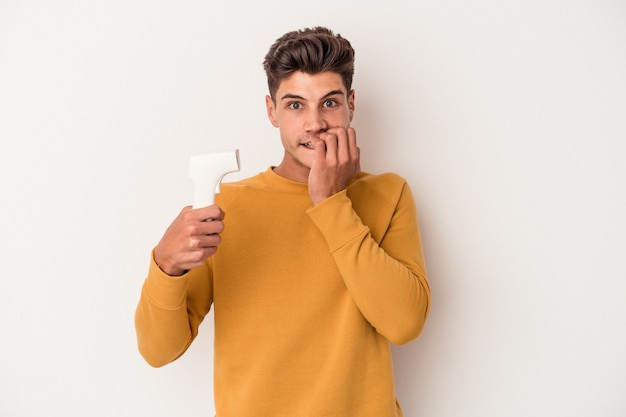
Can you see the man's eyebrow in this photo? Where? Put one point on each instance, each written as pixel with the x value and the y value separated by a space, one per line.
pixel 292 96
pixel 297 97
pixel 333 93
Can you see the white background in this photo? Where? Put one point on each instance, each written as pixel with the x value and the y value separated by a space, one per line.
pixel 507 118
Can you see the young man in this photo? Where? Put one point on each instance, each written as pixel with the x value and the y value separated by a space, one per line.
pixel 319 265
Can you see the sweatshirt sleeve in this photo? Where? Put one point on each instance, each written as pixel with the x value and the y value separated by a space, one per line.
pixel 386 276
pixel 169 313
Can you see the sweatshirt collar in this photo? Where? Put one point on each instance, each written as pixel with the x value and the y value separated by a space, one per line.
pixel 276 181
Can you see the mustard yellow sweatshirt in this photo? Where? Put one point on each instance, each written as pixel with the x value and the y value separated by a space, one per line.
pixel 306 299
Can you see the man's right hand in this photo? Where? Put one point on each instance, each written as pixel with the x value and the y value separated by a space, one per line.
pixel 189 240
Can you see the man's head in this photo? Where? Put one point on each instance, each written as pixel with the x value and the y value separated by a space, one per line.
pixel 311 51
pixel 309 74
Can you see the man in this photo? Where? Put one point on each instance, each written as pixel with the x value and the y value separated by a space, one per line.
pixel 319 265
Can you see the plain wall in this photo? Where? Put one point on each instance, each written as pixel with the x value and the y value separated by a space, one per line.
pixel 508 119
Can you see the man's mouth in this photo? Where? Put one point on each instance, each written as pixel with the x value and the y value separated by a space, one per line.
pixel 308 145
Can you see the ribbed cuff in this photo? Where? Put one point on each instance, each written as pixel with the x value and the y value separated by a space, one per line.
pixel 167 291
pixel 337 220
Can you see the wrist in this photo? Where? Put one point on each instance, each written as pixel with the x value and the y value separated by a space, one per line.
pixel 318 199
pixel 173 272
pixel 166 267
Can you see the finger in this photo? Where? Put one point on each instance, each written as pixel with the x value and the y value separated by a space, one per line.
pixel 319 151
pixel 355 152
pixel 204 228
pixel 349 152
pixel 331 140
pixel 346 142
pixel 213 212
pixel 208 241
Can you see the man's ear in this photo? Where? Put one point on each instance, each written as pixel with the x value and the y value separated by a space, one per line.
pixel 351 103
pixel 271 111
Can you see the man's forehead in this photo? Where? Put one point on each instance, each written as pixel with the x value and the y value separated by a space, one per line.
pixel 311 86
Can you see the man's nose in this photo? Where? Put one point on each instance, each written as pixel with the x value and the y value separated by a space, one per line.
pixel 315 121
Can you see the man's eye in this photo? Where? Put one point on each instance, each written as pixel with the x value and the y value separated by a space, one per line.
pixel 295 105
pixel 330 103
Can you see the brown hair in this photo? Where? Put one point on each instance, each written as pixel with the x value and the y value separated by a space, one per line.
pixel 311 50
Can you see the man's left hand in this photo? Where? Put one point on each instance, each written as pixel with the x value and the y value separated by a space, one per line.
pixel 336 161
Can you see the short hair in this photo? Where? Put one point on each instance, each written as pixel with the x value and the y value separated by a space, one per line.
pixel 310 50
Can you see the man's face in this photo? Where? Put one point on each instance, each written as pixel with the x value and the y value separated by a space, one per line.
pixel 307 105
